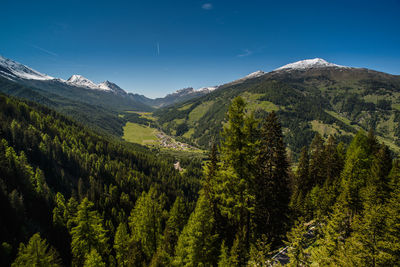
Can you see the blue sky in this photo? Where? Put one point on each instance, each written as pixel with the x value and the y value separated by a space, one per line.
pixel 156 47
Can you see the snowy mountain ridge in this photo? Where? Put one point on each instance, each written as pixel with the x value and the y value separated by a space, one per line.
pixel 309 63
pixel 12 69
pixel 80 81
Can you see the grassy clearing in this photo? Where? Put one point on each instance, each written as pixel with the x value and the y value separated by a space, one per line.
pixel 146 115
pixel 140 134
pixel 396 106
pixel 179 121
pixel 323 129
pixel 199 111
pixel 189 133
pixel 185 107
pixel 341 118
pixel 254 103
pixel 387 141
pixel 328 129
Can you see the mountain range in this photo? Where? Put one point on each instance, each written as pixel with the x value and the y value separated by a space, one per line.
pixel 20 73
pixel 309 96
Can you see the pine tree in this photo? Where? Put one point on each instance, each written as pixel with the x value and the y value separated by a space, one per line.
pixel 365 246
pixel 333 165
pixel 355 172
pixel 36 253
pixel 60 213
pixel 260 253
pixel 145 221
pixel 178 216
pixel 301 184
pixel 93 259
pixel 272 181
pixel 121 245
pixel 391 243
pixel 88 233
pixel 297 244
pixel 198 242
pixel 235 185
pixel 317 157
pixel 224 256
pixel 331 241
pixel 378 182
pixel 210 173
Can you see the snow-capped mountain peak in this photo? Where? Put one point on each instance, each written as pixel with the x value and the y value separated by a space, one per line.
pixel 110 86
pixel 12 69
pixel 309 63
pixel 80 81
pixel 254 74
pixel 207 89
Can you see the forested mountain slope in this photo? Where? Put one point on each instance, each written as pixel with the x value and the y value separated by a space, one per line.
pixel 326 99
pixel 74 197
pixel 58 177
pixel 92 115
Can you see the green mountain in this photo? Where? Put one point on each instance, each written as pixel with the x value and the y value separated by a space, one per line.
pixel 95 105
pixel 174 98
pixel 309 96
pixel 49 162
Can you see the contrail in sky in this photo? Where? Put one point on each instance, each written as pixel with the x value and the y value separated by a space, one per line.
pixel 44 50
pixel 158 49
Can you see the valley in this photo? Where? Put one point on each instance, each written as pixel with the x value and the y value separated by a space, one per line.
pixel 226 175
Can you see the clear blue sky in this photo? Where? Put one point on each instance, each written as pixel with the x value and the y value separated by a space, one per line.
pixel 155 47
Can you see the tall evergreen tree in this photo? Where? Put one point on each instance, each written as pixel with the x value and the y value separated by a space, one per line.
pixel 297 244
pixel 145 221
pixel 93 259
pixel 235 179
pixel 317 158
pixel 36 253
pixel 198 242
pixel 391 242
pixel 88 234
pixel 365 246
pixel 355 172
pixel 378 182
pixel 121 244
pixel 331 241
pixel 272 192
pixel 301 183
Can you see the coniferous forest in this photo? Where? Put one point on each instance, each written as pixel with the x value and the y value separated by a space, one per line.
pixel 74 197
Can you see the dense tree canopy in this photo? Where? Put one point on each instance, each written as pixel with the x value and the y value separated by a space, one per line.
pixel 97 201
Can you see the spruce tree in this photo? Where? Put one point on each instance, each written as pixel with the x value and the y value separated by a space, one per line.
pixel 391 243
pixel 297 244
pixel 301 183
pixel 93 259
pixel 331 241
pixel 88 233
pixel 145 221
pixel 272 181
pixel 235 187
pixel 355 172
pixel 36 253
pixel 317 157
pixel 365 247
pixel 121 245
pixel 198 242
pixel 378 181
